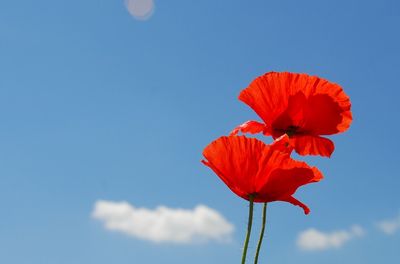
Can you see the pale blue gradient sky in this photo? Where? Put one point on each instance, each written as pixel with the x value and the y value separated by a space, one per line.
pixel 96 105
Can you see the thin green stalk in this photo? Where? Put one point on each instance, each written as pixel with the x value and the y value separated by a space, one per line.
pixel 264 219
pixel 246 242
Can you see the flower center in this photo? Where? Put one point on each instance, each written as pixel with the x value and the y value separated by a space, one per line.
pixel 292 130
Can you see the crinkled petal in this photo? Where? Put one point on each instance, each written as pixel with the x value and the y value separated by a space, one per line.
pixel 252 127
pixel 318 90
pixel 266 96
pixel 287 178
pixel 313 145
pixel 235 160
pixel 324 116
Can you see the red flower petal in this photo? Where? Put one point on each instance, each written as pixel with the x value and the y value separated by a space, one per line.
pixel 288 177
pixel 296 202
pixel 235 160
pixel 318 115
pixel 252 127
pixel 313 145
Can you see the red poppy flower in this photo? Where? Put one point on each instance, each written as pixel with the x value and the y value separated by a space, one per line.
pixel 250 167
pixel 301 106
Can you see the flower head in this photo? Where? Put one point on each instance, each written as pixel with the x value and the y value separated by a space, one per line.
pixel 303 107
pixel 249 167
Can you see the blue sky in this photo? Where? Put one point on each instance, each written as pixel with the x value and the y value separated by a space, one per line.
pixel 97 105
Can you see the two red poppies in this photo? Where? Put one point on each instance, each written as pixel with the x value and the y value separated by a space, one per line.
pixel 296 110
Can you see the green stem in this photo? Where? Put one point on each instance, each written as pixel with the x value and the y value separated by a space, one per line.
pixel 246 242
pixel 264 219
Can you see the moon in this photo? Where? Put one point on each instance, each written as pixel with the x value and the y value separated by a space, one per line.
pixel 140 9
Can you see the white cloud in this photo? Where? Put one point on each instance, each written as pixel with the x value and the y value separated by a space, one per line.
pixel 164 224
pixel 140 9
pixel 390 226
pixel 312 239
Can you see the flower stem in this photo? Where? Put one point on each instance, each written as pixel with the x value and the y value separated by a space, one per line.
pixel 264 219
pixel 250 222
